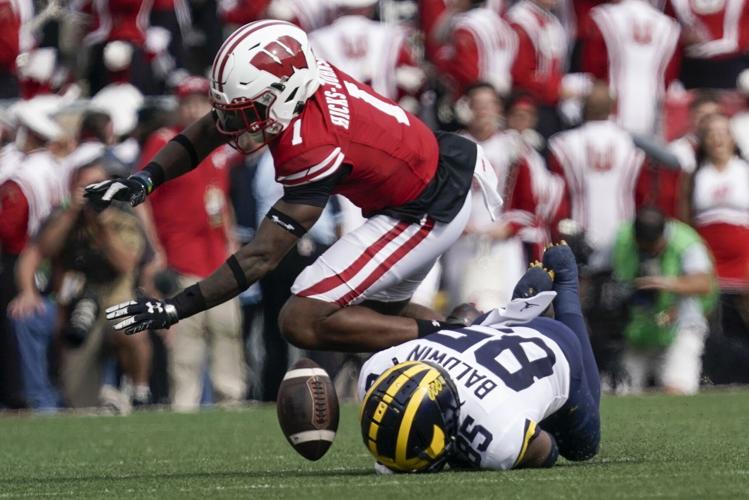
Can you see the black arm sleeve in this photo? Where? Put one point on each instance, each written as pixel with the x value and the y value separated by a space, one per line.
pixel 315 193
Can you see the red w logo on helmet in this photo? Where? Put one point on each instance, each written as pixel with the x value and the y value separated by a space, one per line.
pixel 280 57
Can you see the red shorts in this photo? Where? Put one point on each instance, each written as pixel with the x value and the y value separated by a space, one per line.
pixel 384 259
pixel 729 245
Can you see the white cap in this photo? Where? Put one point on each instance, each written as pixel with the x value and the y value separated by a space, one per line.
pixel 354 4
pixel 157 39
pixel 36 115
pixel 742 82
pixel 37 64
pixel 117 55
pixel 85 154
pixel 121 101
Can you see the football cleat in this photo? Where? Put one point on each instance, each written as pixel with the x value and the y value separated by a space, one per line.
pixel 536 279
pixel 561 260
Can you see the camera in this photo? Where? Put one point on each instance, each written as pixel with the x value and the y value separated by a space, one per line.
pixel 83 313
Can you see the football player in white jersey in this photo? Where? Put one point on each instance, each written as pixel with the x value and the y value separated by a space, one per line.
pixel 513 389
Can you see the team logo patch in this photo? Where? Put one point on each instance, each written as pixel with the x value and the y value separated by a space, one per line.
pixel 281 57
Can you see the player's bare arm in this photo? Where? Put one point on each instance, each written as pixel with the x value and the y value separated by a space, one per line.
pixel 542 452
pixel 690 284
pixel 273 240
pixel 179 156
pixel 176 158
pixel 277 234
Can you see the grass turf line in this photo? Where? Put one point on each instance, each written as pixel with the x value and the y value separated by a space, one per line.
pixel 653 446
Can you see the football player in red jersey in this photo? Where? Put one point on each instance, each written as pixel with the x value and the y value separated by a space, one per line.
pixel 328 134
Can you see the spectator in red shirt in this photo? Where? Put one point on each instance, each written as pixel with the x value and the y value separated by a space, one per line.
pixel 533 195
pixel 633 47
pixel 663 187
pixel 719 203
pixel 241 12
pixel 478 45
pixel 118 20
pixel 715 36
pixel 430 19
pixel 191 221
pixel 580 14
pixel 541 55
pixel 10 26
pixel 29 192
pixel 466 277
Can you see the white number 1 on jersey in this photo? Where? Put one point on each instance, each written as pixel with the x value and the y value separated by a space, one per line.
pixel 387 108
pixel 296 138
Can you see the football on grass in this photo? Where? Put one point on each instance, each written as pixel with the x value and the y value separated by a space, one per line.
pixel 308 409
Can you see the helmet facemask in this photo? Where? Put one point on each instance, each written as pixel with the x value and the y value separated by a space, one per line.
pixel 248 116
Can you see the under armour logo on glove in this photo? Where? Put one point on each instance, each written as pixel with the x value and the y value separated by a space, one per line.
pixel 132 190
pixel 143 314
pixel 154 307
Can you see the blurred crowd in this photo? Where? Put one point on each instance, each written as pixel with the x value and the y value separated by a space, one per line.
pixel 615 125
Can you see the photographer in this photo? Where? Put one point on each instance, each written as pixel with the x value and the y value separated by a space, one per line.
pixel 94 257
pixel 669 273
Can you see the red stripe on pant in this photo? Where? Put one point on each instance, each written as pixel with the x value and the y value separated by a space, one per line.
pixel 396 256
pixel 371 251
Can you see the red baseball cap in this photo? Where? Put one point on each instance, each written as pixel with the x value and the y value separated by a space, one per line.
pixel 192 85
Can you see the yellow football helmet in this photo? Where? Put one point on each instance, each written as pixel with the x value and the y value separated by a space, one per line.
pixel 409 417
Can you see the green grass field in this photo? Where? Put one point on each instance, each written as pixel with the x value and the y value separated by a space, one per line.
pixel 653 446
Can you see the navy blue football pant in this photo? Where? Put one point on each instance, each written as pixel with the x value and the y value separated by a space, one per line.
pixel 577 425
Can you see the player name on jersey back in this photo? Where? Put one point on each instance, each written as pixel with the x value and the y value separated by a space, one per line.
pixel 337 102
pixel 462 372
pixel 486 361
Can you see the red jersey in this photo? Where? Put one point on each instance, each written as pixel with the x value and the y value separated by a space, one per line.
pixel 535 202
pixel 391 154
pixel 482 48
pixel 430 18
pixel 188 211
pixel 14 208
pixel 125 20
pixel 538 66
pixel 712 30
pixel 10 26
pixel 242 11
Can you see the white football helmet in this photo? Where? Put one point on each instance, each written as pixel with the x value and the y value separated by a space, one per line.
pixel 260 79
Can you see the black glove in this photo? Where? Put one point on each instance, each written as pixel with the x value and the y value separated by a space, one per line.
pixel 132 190
pixel 144 313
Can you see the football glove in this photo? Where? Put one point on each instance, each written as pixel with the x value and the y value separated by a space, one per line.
pixel 133 190
pixel 143 313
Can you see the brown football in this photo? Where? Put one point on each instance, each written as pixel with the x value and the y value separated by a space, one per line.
pixel 308 409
